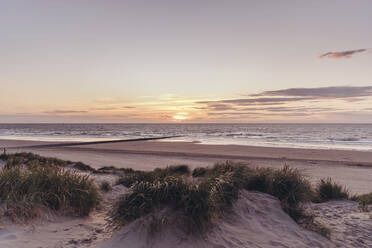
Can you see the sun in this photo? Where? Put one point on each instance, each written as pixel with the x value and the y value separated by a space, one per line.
pixel 180 117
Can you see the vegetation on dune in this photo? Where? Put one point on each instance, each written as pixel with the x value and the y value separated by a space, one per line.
pixel 105 186
pixel 27 158
pixel 83 167
pixel 216 190
pixel 327 190
pixel 364 200
pixel 29 183
pixel 24 191
pixel 131 177
pixel 31 159
pixel 196 202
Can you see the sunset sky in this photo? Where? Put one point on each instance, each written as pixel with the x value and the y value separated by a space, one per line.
pixel 185 61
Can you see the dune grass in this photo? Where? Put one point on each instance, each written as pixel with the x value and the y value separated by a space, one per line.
pixel 131 177
pixel 197 203
pixel 328 190
pixel 27 158
pixel 364 201
pixel 26 190
pixel 212 195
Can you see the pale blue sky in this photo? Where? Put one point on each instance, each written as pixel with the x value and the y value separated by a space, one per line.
pixel 161 57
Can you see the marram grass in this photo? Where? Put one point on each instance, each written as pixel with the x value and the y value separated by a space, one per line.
pixel 215 191
pixel 24 191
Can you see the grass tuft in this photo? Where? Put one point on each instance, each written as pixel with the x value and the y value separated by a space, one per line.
pixel 292 189
pixel 364 201
pixel 29 159
pixel 130 177
pixel 328 190
pixel 215 192
pixel 172 191
pixel 25 190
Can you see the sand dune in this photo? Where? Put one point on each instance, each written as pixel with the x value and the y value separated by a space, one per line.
pixel 255 220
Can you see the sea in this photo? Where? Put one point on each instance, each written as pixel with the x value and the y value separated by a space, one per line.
pixel 316 136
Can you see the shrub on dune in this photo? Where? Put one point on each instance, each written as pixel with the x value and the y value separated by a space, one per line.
pixel 292 189
pixel 365 201
pixel 327 190
pixel 222 191
pixel 259 179
pixel 25 190
pixel 173 192
pixel 134 176
pixel 27 158
pixel 128 179
pixel 215 192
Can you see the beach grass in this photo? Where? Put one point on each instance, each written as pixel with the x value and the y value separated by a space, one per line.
pixel 328 190
pixel 172 191
pixel 364 201
pixel 27 158
pixel 212 195
pixel 130 177
pixel 26 190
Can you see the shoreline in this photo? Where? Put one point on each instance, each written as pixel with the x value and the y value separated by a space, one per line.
pixel 350 168
pixel 305 146
pixel 203 150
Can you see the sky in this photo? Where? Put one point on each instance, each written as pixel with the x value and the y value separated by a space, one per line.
pixel 185 61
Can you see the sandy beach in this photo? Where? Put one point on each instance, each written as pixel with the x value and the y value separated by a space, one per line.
pixel 350 168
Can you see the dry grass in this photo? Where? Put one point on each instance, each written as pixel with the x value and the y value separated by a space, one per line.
pixel 328 190
pixel 213 195
pixel 25 190
pixel 25 158
pixel 130 177
pixel 365 201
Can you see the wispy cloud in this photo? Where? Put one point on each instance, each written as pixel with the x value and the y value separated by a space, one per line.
pixel 291 102
pixel 322 92
pixel 60 111
pixel 254 101
pixel 275 97
pixel 342 54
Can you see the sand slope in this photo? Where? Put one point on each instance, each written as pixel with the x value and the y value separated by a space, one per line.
pixel 350 227
pixel 256 220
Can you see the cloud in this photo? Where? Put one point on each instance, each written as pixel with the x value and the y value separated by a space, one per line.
pixel 112 108
pixel 257 114
pixel 343 54
pixel 291 102
pixel 294 95
pixel 322 92
pixel 59 111
pixel 254 101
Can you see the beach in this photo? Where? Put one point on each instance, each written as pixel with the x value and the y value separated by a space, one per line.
pixel 350 168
